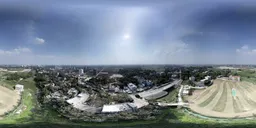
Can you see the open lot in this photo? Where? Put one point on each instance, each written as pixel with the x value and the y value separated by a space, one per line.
pixel 8 99
pixel 218 101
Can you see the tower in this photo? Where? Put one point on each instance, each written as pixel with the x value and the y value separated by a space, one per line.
pixel 180 74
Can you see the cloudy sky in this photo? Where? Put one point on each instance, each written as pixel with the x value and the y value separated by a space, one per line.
pixel 127 32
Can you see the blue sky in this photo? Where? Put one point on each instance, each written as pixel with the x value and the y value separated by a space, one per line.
pixel 127 32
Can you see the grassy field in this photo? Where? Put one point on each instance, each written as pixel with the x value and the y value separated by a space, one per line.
pixel 246 75
pixel 28 83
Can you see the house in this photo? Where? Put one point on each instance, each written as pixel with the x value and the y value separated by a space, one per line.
pixel 234 78
pixel 192 78
pixel 55 95
pixel 132 87
pixel 185 92
pixel 174 76
pixel 19 87
pixel 72 91
pixel 111 88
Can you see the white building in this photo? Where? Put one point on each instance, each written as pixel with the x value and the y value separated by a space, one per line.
pixel 72 91
pixel 19 87
pixel 206 78
pixel 185 92
pixel 132 87
pixel 81 71
pixel 234 78
pixel 116 76
pixel 119 107
pixel 192 78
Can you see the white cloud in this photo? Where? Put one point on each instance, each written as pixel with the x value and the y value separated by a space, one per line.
pixel 15 51
pixel 172 48
pixel 246 50
pixel 45 56
pixel 245 47
pixel 39 40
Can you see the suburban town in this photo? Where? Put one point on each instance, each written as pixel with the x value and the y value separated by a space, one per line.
pixel 107 93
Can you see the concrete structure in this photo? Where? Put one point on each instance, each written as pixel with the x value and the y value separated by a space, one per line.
pixel 19 87
pixel 81 71
pixel 139 102
pixel 119 108
pixel 79 102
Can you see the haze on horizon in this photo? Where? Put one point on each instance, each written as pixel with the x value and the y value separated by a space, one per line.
pixel 127 32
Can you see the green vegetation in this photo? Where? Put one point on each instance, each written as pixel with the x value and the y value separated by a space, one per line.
pixel 28 83
pixel 246 75
pixel 26 105
pixel 16 76
pixel 171 97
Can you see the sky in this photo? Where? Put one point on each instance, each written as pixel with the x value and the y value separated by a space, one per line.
pixel 85 32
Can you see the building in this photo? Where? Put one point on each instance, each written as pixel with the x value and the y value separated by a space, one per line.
pixel 192 78
pixel 19 87
pixel 185 92
pixel 72 91
pixel 81 71
pixel 174 76
pixel 130 107
pixel 206 78
pixel 132 87
pixel 114 76
pixel 234 78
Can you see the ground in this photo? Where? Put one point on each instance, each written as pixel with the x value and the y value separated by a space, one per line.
pixel 217 100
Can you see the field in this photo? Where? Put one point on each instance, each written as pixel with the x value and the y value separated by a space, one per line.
pixel 218 101
pixel 8 99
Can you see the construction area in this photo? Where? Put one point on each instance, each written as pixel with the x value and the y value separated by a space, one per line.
pixel 8 100
pixel 225 99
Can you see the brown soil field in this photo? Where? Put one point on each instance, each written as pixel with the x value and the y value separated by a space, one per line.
pixel 218 101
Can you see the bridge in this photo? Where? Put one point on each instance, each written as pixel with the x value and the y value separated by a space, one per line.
pixel 182 104
pixel 158 92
